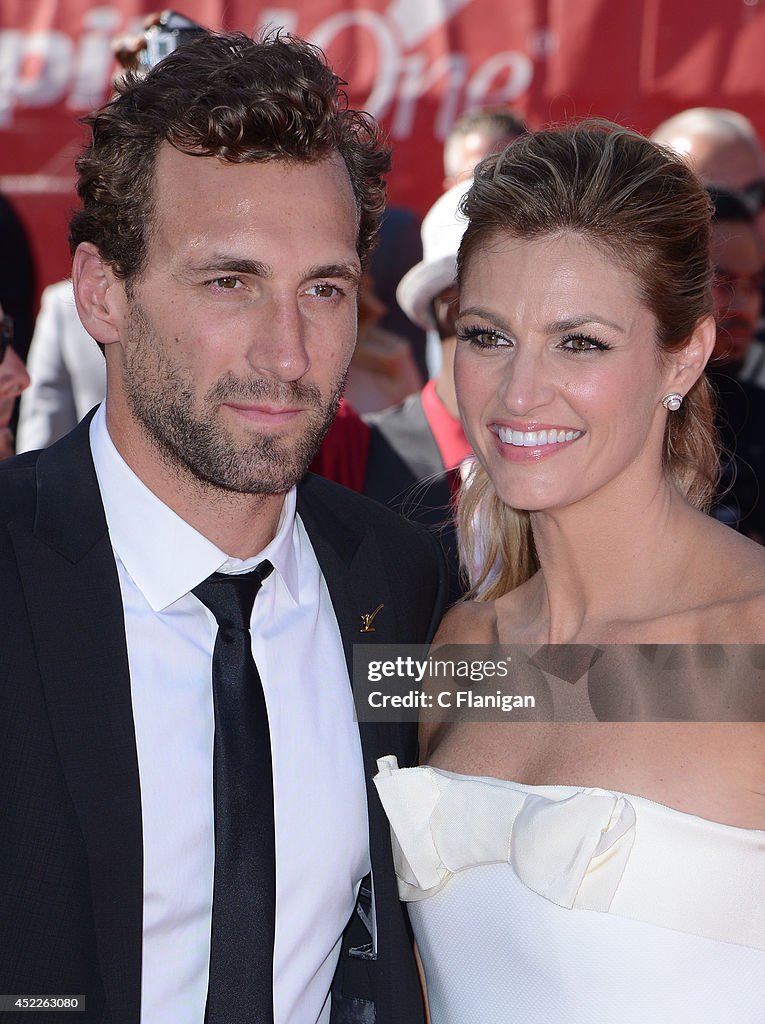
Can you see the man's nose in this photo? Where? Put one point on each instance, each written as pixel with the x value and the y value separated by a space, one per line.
pixel 278 346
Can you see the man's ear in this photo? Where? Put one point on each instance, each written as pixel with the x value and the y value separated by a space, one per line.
pixel 98 294
pixel 688 363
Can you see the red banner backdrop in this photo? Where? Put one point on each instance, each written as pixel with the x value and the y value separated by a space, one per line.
pixel 416 64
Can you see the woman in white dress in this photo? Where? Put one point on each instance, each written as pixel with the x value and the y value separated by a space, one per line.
pixel 573 872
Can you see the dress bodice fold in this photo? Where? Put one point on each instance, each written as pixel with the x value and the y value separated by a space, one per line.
pixel 541 904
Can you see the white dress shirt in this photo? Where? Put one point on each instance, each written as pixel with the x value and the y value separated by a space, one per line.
pixel 322 849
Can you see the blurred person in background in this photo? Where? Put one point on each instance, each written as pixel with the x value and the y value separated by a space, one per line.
pixel 737 260
pixel 17 276
pixel 13 379
pixel 476 135
pixel 417 448
pixel 17 299
pixel 723 148
pixel 383 371
pixel 423 436
pixel 67 371
pixel 397 249
pixel 472 137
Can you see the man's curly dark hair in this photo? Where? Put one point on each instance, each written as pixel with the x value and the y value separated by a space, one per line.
pixel 227 96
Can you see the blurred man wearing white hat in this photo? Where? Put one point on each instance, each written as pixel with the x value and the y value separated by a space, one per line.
pixel 416 447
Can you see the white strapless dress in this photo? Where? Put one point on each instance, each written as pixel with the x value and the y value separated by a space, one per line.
pixel 561 905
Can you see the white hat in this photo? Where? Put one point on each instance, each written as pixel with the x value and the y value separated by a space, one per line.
pixel 442 230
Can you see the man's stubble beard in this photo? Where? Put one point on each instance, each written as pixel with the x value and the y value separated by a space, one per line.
pixel 162 401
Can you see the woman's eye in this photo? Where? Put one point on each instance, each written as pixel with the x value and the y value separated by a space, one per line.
pixel 583 343
pixel 483 337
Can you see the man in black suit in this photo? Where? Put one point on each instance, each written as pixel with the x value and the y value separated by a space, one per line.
pixel 229 203
pixel 736 252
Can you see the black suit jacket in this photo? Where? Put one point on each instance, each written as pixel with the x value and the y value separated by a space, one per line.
pixel 71 855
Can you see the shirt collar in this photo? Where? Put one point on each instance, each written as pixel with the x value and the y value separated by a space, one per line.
pixel 165 556
pixel 446 429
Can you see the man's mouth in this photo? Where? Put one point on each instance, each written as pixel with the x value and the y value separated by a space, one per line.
pixel 266 413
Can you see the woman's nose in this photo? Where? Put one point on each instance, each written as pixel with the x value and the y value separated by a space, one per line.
pixel 524 384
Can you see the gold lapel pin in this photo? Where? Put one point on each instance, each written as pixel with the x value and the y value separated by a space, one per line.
pixel 367 618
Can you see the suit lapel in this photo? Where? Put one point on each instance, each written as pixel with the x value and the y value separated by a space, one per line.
pixel 354 571
pixel 357 581
pixel 75 609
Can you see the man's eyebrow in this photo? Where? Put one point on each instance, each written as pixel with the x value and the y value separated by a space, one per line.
pixel 221 263
pixel 345 271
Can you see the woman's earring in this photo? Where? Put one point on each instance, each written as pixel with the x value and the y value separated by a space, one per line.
pixel 672 401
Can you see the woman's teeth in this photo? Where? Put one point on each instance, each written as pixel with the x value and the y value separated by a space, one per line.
pixel 536 438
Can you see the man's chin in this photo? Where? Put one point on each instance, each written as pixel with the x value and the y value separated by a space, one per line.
pixel 229 452
pixel 267 464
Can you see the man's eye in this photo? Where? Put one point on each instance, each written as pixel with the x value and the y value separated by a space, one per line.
pixel 324 290
pixel 227 284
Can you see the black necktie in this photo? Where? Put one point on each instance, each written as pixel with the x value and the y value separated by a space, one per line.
pixel 240 990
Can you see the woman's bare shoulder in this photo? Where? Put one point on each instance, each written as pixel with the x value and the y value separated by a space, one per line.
pixel 469 622
pixel 722 595
pixel 722 549
pixel 744 620
pixel 734 582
